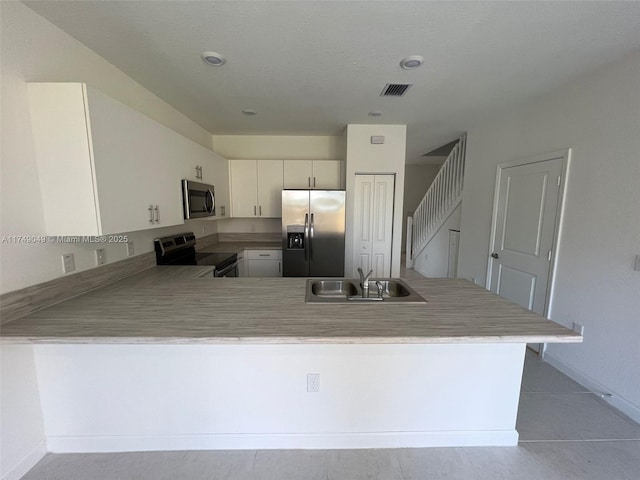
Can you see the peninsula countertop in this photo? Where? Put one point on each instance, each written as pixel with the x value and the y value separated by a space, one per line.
pixel 172 305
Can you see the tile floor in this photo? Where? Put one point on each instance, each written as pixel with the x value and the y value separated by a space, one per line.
pixel 566 433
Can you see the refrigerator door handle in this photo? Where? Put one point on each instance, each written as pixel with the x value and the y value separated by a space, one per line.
pixel 311 238
pixel 306 236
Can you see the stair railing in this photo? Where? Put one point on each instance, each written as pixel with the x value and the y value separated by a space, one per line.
pixel 442 197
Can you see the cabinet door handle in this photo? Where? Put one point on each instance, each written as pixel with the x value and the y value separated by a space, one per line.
pixel 264 254
pixel 260 210
pixel 150 213
pixel 309 182
pixel 279 267
pixel 157 210
pixel 222 210
pixel 314 182
pixel 254 211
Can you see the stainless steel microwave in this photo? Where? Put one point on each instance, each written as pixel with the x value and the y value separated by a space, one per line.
pixel 198 199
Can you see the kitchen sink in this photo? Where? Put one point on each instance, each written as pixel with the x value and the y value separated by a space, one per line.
pixel 349 290
pixel 333 288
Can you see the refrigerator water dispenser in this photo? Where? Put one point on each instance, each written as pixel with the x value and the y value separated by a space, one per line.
pixel 295 237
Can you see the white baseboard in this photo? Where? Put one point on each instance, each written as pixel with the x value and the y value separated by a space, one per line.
pixel 27 463
pixel 86 444
pixel 420 271
pixel 629 409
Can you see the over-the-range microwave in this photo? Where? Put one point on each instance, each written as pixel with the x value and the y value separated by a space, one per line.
pixel 198 199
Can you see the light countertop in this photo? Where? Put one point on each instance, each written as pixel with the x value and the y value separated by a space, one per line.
pixel 171 305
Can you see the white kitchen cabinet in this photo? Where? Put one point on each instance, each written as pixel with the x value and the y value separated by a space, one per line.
pixel 103 167
pixel 327 174
pixel 313 174
pixel 264 263
pixel 298 173
pixel 256 188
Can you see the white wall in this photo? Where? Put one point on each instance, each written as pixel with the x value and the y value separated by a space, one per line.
pixel 388 158
pixel 35 50
pixel 417 180
pixel 280 147
pixel 22 439
pixel 433 261
pixel 180 397
pixel 598 116
pixel 250 225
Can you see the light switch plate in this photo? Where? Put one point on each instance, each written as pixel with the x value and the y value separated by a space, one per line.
pixel 130 249
pixel 68 263
pixel 101 258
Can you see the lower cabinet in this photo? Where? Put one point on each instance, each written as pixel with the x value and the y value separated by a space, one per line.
pixel 263 263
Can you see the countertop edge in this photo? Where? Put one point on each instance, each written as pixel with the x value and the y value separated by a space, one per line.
pixel 280 340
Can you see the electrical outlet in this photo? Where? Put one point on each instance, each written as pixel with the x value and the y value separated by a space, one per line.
pixel 130 249
pixel 313 382
pixel 68 263
pixel 578 328
pixel 100 256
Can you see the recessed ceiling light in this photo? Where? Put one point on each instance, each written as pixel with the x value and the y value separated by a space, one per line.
pixel 249 111
pixel 212 58
pixel 377 113
pixel 411 62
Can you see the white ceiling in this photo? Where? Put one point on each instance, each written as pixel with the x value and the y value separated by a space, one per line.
pixel 311 67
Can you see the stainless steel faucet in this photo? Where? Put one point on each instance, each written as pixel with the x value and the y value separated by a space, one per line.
pixel 364 282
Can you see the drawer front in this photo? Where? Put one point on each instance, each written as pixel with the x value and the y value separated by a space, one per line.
pixel 264 254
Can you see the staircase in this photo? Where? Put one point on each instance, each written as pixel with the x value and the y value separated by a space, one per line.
pixel 442 198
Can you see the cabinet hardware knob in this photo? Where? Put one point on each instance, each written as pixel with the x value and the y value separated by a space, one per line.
pixel 495 255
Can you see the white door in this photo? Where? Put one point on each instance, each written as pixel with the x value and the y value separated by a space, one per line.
pixel 298 173
pixel 327 174
pixel 526 212
pixel 244 191
pixel 373 209
pixel 270 174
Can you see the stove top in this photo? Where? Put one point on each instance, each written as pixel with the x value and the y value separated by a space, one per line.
pixel 180 250
pixel 217 259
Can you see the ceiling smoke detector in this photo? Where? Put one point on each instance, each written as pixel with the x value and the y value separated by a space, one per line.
pixel 212 58
pixel 411 62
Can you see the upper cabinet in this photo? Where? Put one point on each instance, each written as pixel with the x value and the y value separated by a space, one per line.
pixel 256 188
pixel 103 167
pixel 314 174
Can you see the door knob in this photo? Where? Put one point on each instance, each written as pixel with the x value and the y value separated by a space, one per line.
pixel 495 255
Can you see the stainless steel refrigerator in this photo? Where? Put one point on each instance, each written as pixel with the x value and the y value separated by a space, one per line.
pixel 313 224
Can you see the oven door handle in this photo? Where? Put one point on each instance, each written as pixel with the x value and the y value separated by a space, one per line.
pixel 226 270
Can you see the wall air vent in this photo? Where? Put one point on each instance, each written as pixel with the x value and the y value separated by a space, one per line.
pixel 395 89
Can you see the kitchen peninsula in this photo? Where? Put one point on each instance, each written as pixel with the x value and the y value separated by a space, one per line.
pixel 167 360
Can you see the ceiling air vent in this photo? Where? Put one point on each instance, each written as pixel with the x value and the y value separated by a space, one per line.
pixel 395 89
